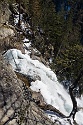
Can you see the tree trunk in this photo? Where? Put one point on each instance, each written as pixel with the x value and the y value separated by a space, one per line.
pixel 74 102
pixel 71 89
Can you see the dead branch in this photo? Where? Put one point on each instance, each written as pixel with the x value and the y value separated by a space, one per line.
pixel 71 89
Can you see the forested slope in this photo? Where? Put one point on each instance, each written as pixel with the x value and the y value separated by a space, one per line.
pixel 55 40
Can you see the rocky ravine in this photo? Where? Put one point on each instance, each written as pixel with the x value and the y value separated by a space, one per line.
pixel 17 106
pixel 16 103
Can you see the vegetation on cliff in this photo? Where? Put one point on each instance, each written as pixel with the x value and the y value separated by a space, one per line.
pixel 56 34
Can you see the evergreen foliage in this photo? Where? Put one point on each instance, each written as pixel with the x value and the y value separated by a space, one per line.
pixel 61 41
pixel 58 34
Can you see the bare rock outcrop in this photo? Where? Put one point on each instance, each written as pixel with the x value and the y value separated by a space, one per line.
pixel 9 38
pixel 6 31
pixel 16 103
pixel 4 13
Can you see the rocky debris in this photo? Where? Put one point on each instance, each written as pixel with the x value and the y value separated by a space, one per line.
pixel 17 105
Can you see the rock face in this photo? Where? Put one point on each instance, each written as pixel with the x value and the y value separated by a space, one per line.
pixel 16 103
pixel 4 13
pixel 5 32
pixel 8 34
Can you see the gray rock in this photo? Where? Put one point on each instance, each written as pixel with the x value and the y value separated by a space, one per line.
pixel 6 31
pixel 4 13
pixel 16 103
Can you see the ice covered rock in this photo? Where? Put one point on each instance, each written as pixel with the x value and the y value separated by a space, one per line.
pixel 16 102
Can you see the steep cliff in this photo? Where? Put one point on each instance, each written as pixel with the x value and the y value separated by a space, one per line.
pixel 17 106
pixel 16 103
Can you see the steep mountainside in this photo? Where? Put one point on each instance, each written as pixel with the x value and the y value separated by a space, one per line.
pixel 16 103
pixel 29 89
pixel 17 106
